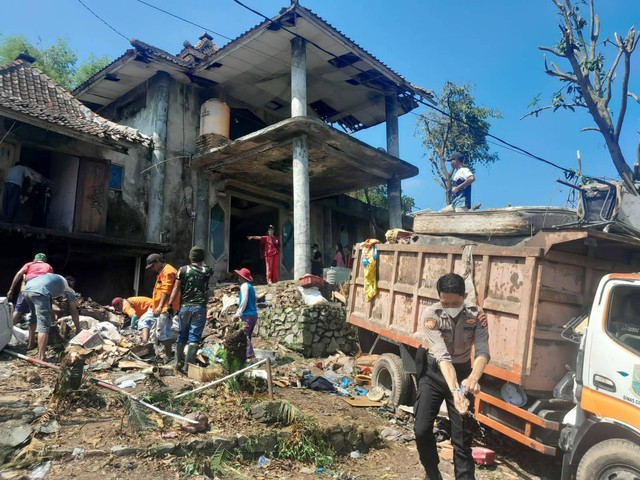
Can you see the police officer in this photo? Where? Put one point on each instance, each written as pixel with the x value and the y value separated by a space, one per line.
pixel 450 328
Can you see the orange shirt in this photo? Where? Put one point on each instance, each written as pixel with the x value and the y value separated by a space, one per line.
pixel 164 284
pixel 137 306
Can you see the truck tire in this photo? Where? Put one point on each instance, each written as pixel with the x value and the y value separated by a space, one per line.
pixel 611 459
pixel 389 374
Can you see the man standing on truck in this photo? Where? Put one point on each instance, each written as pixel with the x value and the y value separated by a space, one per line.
pixel 461 180
pixel 450 328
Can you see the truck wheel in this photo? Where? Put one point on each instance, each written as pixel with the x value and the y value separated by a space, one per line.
pixel 612 459
pixel 389 374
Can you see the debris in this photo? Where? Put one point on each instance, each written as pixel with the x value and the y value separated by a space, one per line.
pixel 355 454
pixel 376 394
pixel 132 365
pixel 483 456
pixel 132 377
pixel 312 296
pixel 128 384
pixel 201 425
pixel 77 452
pixel 205 374
pixel 263 461
pixel 87 339
pixel 362 402
pixel 40 471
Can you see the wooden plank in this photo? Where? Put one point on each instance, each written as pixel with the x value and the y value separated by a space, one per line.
pixel 362 401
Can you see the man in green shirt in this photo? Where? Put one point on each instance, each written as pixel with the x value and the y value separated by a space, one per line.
pixel 192 282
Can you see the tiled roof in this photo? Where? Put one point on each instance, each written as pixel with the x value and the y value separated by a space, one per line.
pixel 25 89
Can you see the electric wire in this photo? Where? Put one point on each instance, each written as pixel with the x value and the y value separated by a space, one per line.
pixel 102 20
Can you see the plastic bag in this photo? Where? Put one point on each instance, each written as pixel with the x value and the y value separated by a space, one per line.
pixel 312 296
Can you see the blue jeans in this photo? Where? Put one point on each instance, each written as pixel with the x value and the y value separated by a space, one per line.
pixel 192 321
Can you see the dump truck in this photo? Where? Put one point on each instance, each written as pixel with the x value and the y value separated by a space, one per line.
pixel 563 310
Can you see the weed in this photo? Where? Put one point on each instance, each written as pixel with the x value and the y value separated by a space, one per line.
pixel 305 443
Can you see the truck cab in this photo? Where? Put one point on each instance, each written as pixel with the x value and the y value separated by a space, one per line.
pixel 603 441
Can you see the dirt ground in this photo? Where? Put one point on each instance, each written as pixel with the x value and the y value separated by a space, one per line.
pixel 95 420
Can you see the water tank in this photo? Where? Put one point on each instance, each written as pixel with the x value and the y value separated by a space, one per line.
pixel 215 117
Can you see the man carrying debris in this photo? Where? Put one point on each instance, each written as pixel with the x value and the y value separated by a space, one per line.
pixel 39 294
pixel 162 309
pixel 192 287
pixel 134 308
pixel 29 271
pixel 247 309
pixel 270 250
pixel 450 328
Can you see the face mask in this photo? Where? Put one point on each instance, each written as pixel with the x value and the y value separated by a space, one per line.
pixel 454 312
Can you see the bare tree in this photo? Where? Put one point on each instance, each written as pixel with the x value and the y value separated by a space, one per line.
pixel 589 84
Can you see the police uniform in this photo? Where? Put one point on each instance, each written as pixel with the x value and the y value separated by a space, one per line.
pixel 448 339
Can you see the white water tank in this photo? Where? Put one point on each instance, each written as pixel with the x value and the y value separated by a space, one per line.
pixel 215 117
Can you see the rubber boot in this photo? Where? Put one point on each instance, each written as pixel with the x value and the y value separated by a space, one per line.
pixel 192 350
pixel 180 365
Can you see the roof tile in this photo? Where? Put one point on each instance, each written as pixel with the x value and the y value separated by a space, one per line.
pixel 25 89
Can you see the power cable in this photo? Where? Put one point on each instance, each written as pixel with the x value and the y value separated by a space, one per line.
pixel 102 20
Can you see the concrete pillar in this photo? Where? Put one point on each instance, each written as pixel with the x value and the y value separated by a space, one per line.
pixel 201 227
pixel 394 187
pixel 300 153
pixel 158 99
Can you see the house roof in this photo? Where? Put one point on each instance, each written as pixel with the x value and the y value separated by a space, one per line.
pixel 346 85
pixel 28 95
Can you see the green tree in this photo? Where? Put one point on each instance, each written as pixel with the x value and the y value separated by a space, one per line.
pixel 589 83
pixel 459 126
pixel 377 197
pixel 58 60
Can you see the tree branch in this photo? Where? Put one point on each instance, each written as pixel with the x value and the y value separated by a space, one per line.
pixel 556 72
pixel 590 129
pixel 549 107
pixel 609 78
pixel 551 50
pixel 634 96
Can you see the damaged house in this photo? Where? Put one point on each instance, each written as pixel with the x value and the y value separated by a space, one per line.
pixel 70 209
pixel 257 133
pixel 208 147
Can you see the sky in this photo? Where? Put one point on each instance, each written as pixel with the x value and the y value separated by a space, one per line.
pixel 491 44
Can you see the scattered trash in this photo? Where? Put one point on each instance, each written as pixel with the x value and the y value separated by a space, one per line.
pixel 19 337
pixel 108 330
pixel 77 452
pixel 131 377
pixel 483 456
pixel 169 434
pixel 355 454
pixel 127 384
pixel 376 394
pixel 258 374
pixel 393 435
pixel 263 461
pixel 87 339
pixel 40 471
pixel 312 296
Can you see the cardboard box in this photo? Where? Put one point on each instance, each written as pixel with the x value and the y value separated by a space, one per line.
pixel 205 374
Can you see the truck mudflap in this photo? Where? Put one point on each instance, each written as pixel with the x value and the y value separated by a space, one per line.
pixel 516 423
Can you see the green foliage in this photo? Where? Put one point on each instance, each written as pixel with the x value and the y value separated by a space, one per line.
pixel 379 198
pixel 463 127
pixel 216 466
pixel 58 60
pixel 305 442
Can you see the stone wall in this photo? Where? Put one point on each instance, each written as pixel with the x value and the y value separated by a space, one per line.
pixel 315 331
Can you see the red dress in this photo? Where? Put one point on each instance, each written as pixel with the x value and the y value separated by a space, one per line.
pixel 270 249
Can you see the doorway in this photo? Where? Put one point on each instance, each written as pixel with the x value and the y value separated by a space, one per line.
pixel 249 217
